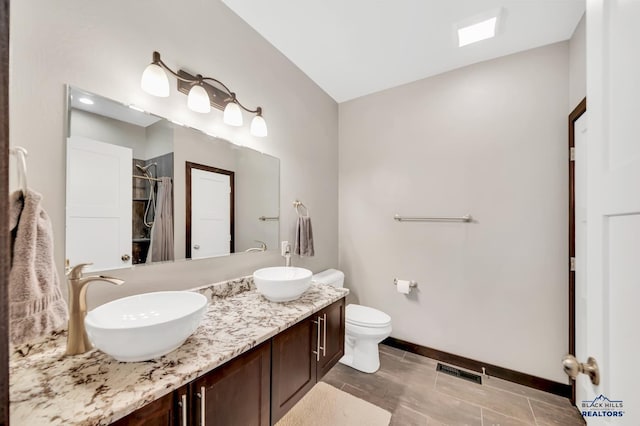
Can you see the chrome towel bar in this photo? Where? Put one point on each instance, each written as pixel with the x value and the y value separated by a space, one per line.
pixel 264 218
pixel 465 218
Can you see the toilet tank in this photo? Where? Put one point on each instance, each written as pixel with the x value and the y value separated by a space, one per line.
pixel 331 277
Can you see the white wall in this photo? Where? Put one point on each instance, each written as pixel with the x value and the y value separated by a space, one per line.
pixel 159 140
pixel 578 65
pixel 256 180
pixel 108 130
pixel 194 147
pixel 146 142
pixel 489 140
pixel 256 187
pixel 103 47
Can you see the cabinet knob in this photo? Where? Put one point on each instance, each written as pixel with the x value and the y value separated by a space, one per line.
pixel 196 247
pixel 125 257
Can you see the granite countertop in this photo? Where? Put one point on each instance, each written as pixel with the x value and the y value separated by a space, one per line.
pixel 49 388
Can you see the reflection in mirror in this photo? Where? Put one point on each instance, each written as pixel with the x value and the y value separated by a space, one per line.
pixel 142 189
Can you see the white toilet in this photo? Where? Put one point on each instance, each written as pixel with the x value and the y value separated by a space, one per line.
pixel 365 328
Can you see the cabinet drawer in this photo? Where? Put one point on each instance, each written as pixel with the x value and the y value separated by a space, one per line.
pixel 293 371
pixel 161 412
pixel 235 394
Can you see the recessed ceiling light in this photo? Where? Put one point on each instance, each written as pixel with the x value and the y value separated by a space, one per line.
pixel 86 101
pixel 479 28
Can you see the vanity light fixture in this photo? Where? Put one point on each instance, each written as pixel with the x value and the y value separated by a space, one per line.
pixel 201 95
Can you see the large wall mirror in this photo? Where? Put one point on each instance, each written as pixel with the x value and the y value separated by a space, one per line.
pixel 143 189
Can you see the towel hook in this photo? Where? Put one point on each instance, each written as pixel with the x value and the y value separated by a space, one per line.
pixel 298 204
pixel 21 158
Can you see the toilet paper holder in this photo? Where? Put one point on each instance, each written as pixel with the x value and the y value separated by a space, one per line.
pixel 412 284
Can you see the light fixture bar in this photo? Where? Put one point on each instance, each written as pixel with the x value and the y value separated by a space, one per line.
pixel 218 98
pixel 154 82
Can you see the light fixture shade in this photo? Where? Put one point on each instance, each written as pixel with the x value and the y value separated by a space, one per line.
pixel 154 81
pixel 258 126
pixel 232 114
pixel 198 99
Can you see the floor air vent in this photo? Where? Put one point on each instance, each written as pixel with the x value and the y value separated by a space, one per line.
pixel 455 372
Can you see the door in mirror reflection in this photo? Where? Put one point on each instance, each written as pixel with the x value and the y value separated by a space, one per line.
pixel 210 206
pixel 98 222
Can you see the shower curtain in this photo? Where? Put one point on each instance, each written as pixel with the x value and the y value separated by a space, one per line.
pixel 161 246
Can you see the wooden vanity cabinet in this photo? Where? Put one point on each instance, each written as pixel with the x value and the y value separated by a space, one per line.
pixel 237 393
pixel 258 387
pixel 165 411
pixel 333 323
pixel 303 354
pixel 293 366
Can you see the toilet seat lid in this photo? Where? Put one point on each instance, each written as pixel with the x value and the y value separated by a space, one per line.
pixel 366 316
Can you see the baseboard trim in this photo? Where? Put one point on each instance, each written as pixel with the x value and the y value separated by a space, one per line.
pixel 524 379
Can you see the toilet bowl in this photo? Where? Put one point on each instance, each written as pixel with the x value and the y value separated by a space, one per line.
pixel 365 328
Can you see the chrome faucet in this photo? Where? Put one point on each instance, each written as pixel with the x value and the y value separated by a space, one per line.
pixel 77 339
pixel 287 255
pixel 263 247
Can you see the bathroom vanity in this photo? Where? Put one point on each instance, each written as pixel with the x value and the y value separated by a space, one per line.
pixel 249 362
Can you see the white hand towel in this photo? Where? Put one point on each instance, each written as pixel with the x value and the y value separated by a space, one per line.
pixel 36 306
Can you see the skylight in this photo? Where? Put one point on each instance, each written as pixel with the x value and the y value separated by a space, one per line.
pixel 481 28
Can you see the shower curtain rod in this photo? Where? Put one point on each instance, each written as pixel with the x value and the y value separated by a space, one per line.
pixel 147 178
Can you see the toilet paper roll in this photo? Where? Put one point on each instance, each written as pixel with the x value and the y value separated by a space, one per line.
pixel 403 286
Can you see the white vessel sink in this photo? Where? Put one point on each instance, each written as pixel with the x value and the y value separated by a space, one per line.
pixel 282 283
pixel 145 326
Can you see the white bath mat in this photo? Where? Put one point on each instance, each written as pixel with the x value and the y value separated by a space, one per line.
pixel 325 405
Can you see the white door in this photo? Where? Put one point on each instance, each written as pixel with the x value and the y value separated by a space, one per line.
pixel 613 212
pixel 210 214
pixel 580 145
pixel 98 214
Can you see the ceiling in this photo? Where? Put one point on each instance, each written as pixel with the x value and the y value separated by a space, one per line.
pixel 352 48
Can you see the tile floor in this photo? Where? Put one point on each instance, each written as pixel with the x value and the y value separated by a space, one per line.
pixel 408 386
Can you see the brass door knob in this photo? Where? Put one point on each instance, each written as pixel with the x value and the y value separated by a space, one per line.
pixel 572 368
pixel 125 257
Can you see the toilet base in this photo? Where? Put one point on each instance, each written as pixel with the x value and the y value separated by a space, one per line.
pixel 361 355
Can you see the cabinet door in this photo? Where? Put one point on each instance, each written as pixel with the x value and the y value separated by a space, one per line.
pixel 332 321
pixel 161 412
pixel 237 393
pixel 293 366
